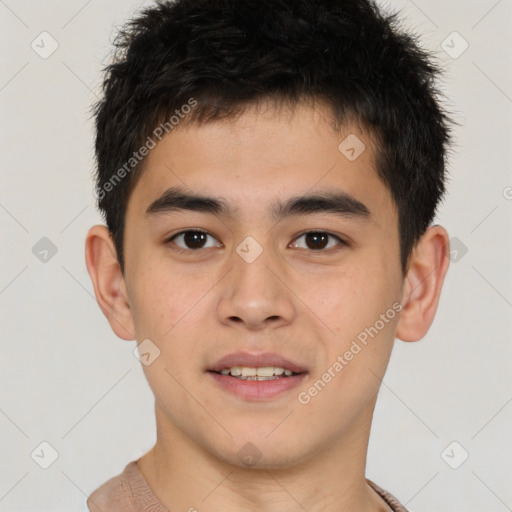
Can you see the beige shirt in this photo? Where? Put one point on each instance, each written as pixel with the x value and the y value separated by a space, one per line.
pixel 129 492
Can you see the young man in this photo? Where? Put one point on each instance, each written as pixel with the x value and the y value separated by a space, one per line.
pixel 268 171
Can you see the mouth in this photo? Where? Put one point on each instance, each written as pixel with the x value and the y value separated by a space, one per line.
pixel 256 376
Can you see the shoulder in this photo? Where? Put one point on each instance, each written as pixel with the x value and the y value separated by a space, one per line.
pixel 115 495
pixel 387 497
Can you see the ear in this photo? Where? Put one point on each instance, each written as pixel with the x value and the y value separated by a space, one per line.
pixel 108 281
pixel 429 262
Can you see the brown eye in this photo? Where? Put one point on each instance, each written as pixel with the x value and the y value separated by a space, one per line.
pixel 318 240
pixel 192 240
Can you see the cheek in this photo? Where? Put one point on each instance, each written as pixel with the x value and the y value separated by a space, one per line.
pixel 363 319
pixel 160 298
pixel 359 340
pixel 347 297
pixel 170 309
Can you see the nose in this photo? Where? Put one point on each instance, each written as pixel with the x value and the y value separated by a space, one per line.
pixel 255 295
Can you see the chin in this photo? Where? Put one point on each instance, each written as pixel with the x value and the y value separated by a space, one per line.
pixel 258 452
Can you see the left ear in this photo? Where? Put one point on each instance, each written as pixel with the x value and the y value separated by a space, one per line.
pixel 429 262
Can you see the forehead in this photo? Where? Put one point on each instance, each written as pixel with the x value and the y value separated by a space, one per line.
pixel 264 155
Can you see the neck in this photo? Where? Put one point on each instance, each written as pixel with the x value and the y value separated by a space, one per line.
pixel 184 476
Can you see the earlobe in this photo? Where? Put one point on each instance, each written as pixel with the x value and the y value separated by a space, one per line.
pixel 108 281
pixel 423 283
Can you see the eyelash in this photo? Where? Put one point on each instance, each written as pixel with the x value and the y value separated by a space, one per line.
pixel 180 250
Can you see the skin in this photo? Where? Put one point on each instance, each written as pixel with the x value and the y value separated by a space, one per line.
pixel 305 304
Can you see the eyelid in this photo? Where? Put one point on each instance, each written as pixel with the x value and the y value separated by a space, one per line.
pixel 324 232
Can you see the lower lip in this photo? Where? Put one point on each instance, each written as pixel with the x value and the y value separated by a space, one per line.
pixel 257 389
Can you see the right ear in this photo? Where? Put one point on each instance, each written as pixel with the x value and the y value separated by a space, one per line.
pixel 108 281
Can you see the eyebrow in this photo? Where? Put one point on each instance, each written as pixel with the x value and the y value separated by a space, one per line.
pixel 337 202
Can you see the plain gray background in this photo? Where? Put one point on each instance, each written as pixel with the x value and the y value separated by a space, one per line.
pixel 67 380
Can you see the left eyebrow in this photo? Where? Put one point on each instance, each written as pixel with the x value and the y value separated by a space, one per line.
pixel 337 202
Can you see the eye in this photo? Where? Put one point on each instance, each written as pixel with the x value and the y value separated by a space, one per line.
pixel 193 240
pixel 317 241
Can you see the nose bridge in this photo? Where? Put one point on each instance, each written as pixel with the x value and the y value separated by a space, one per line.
pixel 252 293
pixel 253 275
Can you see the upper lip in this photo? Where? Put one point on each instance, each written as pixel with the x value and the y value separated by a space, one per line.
pixel 256 361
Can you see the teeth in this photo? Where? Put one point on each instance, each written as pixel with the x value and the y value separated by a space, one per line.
pixel 265 371
pixel 258 378
pixel 248 373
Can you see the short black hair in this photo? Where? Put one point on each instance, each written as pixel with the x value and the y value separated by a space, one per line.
pixel 203 60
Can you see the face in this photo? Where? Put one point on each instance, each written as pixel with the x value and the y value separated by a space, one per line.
pixel 290 259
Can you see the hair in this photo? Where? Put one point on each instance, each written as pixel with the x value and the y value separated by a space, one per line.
pixel 212 59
